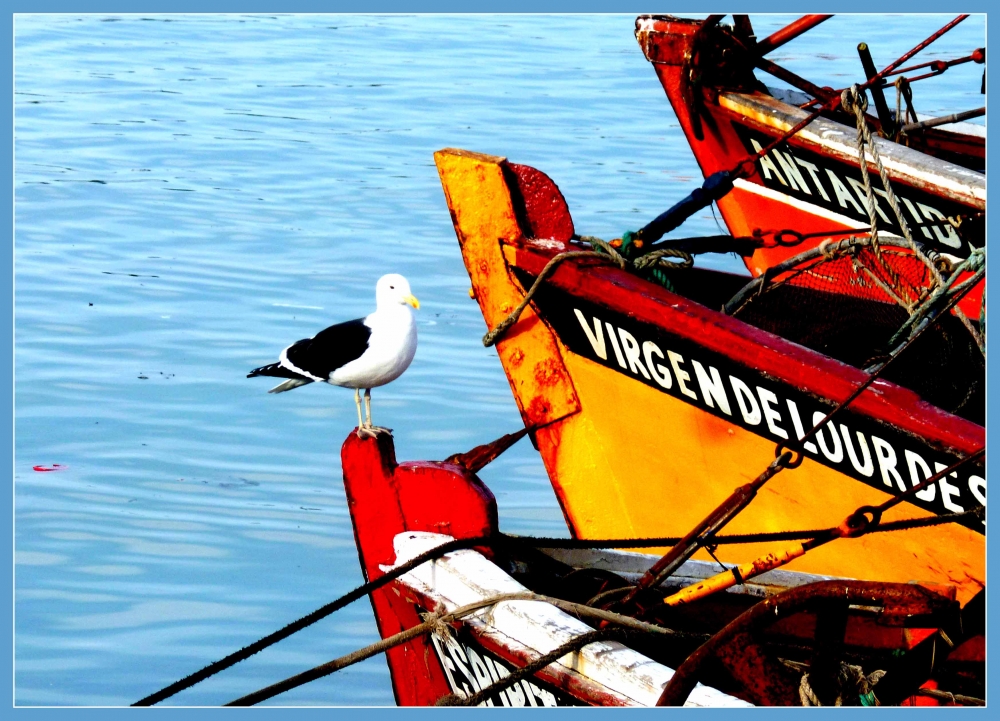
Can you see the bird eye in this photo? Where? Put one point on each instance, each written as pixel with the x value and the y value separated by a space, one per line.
pixel 392 287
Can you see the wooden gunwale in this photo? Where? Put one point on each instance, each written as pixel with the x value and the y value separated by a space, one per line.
pixel 839 141
pixel 813 372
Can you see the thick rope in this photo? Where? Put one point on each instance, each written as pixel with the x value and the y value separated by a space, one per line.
pixel 948 696
pixel 853 687
pixel 654 260
pixel 850 101
pixel 976 264
pixel 537 542
pixel 326 669
pixel 494 335
pixel 854 100
pixel 437 622
pixel 307 620
pixel 354 657
pixel 904 92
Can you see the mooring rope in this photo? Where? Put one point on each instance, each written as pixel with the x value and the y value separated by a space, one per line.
pixel 437 621
pixel 852 100
pixel 610 254
pixel 307 620
pixel 536 542
pixel 354 657
pixel 605 252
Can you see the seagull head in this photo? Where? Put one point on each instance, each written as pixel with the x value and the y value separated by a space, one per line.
pixel 394 289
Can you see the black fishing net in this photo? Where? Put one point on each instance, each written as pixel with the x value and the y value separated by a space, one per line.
pixel 849 306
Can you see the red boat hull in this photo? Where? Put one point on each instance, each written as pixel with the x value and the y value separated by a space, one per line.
pixel 812 182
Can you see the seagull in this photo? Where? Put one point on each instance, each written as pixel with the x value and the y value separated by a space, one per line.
pixel 361 353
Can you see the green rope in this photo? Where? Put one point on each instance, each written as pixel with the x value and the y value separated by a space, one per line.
pixel 652 264
pixel 648 265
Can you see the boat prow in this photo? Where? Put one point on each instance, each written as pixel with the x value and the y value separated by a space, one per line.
pixel 498 620
pixel 650 406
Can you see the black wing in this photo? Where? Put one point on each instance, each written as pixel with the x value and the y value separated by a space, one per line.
pixel 330 349
pixel 276 370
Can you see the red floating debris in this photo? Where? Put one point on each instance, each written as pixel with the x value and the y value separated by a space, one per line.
pixel 53 467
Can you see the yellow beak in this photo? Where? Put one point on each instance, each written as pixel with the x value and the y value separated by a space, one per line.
pixel 411 300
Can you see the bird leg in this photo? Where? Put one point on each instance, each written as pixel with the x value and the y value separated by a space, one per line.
pixel 362 428
pixel 373 429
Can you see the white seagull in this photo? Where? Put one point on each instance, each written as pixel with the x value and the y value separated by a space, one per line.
pixel 361 353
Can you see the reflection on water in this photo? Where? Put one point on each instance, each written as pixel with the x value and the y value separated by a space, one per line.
pixel 192 193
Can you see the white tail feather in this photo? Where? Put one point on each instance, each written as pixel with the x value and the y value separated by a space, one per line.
pixel 288 385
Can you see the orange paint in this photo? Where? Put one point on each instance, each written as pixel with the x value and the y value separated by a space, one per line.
pixel 627 460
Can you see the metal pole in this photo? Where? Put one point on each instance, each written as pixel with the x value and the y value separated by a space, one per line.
pixel 934 122
pixel 888 124
pixel 789 32
pixel 906 56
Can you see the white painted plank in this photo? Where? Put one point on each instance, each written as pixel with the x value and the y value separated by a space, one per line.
pixel 464 577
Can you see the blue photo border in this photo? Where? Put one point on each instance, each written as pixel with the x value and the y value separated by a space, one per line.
pixel 397 6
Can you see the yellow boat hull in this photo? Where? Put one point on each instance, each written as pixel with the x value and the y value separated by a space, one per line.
pixel 629 457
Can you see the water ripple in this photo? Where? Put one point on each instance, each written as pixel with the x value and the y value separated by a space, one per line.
pixel 193 512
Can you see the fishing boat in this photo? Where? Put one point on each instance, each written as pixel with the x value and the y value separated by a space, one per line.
pixel 481 618
pixel 806 183
pixel 650 406
pixel 840 375
pixel 471 616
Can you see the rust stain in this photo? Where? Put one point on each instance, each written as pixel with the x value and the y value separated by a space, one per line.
pixel 549 372
pixel 539 408
pixel 481 204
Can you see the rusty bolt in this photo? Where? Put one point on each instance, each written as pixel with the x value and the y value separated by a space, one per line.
pixel 483 266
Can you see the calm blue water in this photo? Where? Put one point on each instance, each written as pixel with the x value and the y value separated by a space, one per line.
pixel 193 193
